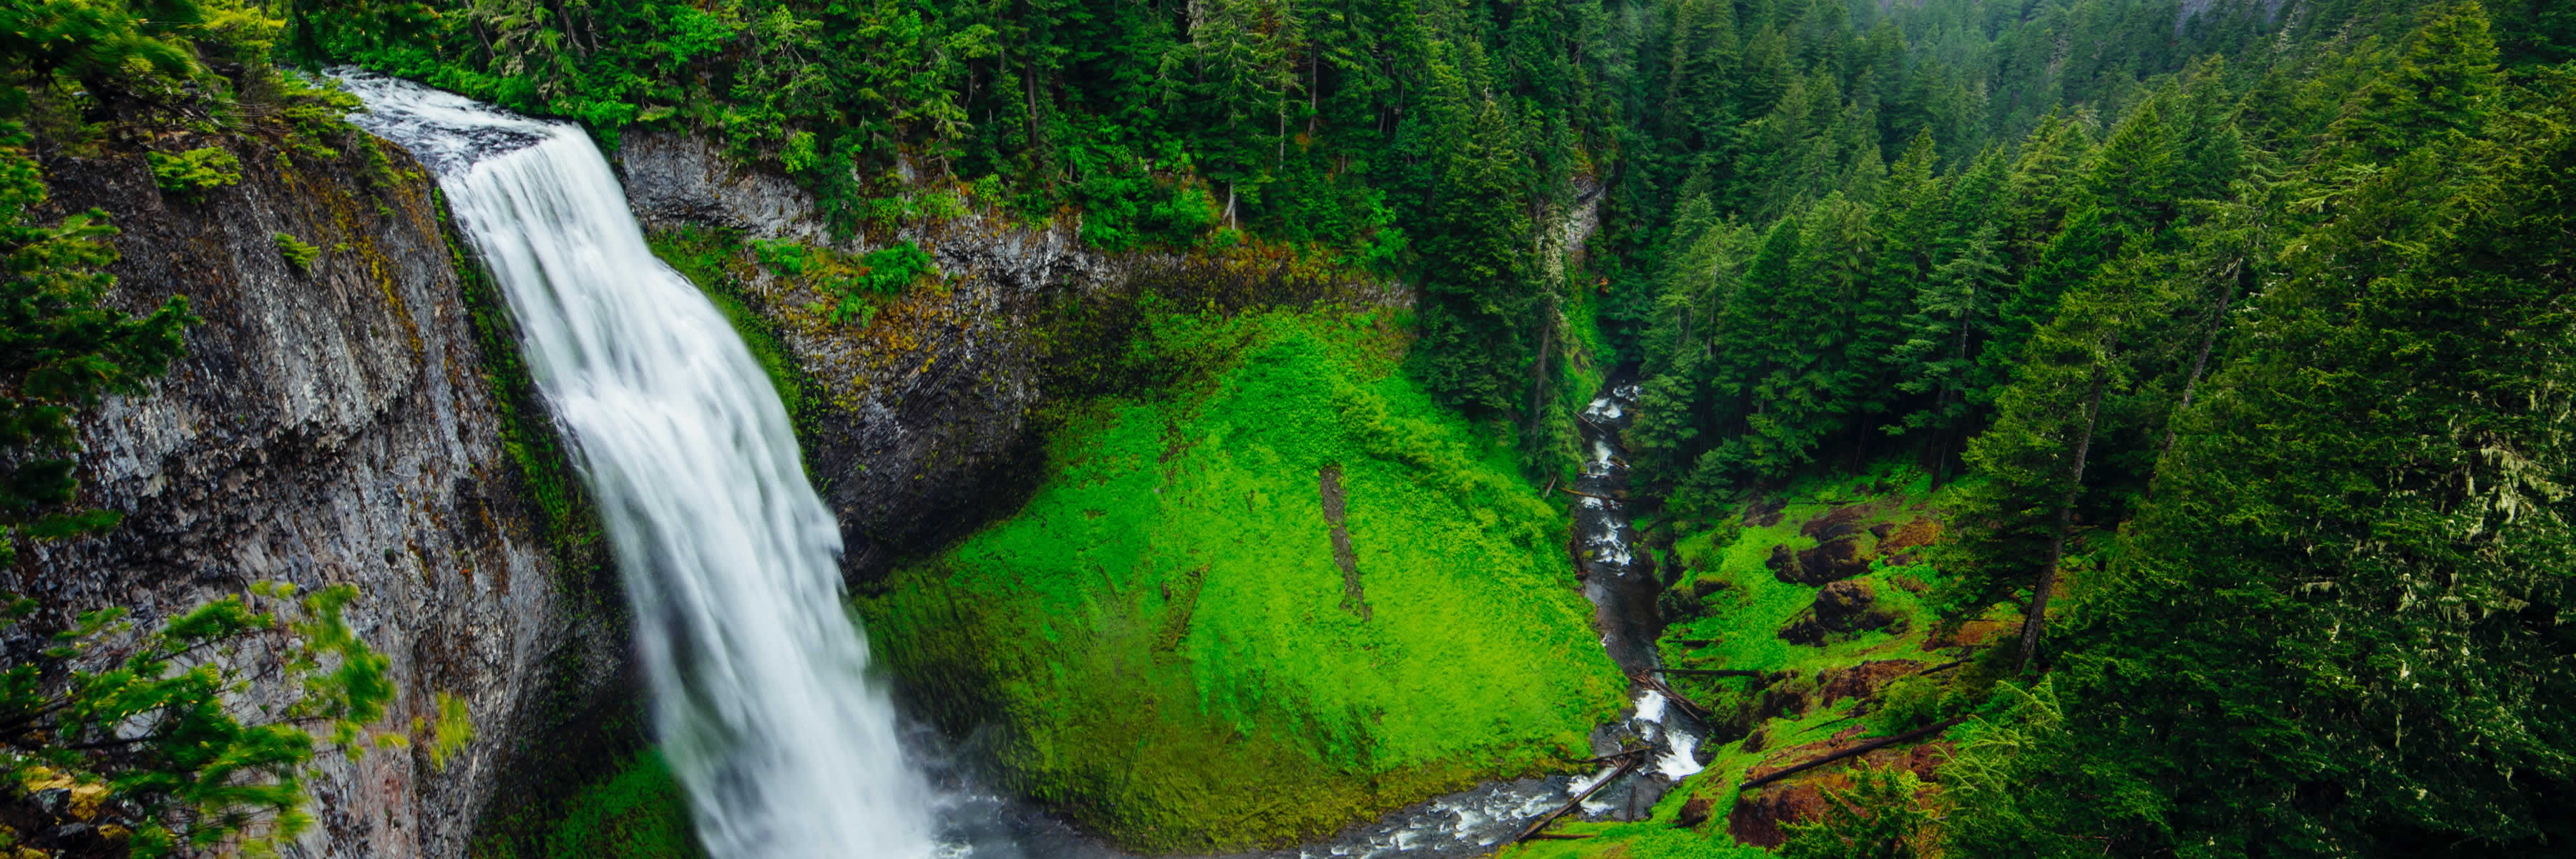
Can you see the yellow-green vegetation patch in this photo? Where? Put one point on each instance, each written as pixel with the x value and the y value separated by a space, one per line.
pixel 1178 651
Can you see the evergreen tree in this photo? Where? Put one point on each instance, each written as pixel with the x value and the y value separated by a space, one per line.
pixel 2332 631
pixel 2010 533
pixel 2443 83
pixel 1477 321
pixel 1953 319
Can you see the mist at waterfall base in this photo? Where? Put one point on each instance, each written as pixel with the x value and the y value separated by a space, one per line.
pixel 756 671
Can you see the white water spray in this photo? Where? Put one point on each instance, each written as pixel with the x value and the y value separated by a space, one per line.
pixel 729 558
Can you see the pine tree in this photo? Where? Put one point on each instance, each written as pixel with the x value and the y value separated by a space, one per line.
pixel 1954 317
pixel 2443 83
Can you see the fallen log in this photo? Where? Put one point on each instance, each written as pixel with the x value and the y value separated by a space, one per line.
pixel 1649 681
pixel 1863 748
pixel 1577 801
pixel 1827 724
pixel 1585 494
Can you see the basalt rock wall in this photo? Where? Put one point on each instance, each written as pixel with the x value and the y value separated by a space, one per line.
pixel 337 424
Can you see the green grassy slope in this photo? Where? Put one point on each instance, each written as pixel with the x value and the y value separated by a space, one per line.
pixel 1174 654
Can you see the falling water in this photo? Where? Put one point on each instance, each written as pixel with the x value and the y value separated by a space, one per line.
pixel 758 694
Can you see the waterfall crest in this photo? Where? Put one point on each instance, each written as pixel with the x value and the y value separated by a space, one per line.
pixel 729 558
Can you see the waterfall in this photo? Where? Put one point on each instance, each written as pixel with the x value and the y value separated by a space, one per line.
pixel 756 670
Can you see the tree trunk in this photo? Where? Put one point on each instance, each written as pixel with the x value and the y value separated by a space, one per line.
pixel 1029 87
pixel 2037 620
pixel 2199 364
pixel 1860 445
pixel 1538 377
pixel 1314 83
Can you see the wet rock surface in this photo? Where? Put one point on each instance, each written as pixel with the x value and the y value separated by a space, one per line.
pixel 330 426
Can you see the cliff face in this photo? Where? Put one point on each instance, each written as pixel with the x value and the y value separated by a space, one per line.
pixel 925 415
pixel 330 426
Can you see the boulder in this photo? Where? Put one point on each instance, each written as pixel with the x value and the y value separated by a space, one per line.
pixel 1843 522
pixel 1840 608
pixel 1694 812
pixel 1762 817
pixel 1833 561
pixel 1764 512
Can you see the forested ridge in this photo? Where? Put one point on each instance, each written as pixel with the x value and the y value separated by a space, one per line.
pixel 2235 337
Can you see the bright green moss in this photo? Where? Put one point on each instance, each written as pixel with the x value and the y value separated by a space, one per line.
pixel 1176 657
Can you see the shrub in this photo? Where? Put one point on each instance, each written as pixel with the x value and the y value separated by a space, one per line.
pixel 192 173
pixel 297 252
pixel 895 267
pixel 889 270
pixel 783 255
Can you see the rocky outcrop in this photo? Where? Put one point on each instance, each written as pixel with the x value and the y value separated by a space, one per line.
pixel 925 416
pixel 1763 817
pixel 1828 562
pixel 327 426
